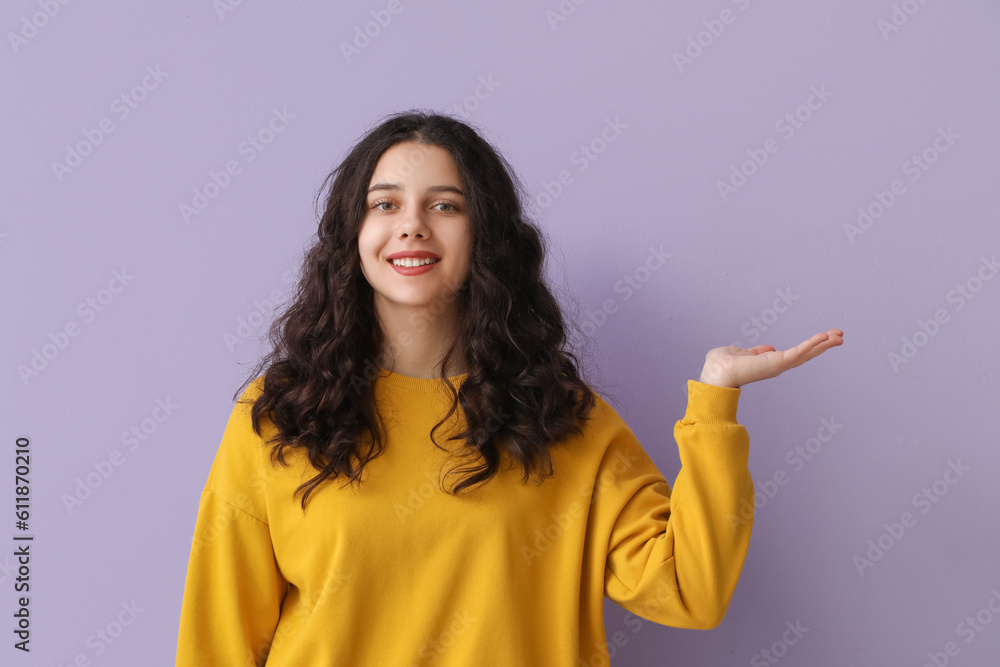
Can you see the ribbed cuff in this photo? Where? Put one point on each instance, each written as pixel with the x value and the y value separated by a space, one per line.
pixel 710 403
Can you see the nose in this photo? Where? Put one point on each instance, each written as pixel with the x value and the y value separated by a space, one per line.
pixel 413 223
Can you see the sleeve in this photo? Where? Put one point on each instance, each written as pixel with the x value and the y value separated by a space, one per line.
pixel 234 589
pixel 675 557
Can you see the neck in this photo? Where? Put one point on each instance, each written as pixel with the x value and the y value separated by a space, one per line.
pixel 416 340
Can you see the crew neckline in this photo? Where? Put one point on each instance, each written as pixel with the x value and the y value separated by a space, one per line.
pixel 409 383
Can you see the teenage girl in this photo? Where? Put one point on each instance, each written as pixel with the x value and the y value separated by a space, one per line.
pixel 417 474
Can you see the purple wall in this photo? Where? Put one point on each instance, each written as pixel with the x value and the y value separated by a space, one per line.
pixel 836 102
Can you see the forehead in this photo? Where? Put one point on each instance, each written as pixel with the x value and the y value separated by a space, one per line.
pixel 412 162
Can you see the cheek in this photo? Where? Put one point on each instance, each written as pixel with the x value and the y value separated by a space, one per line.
pixel 367 245
pixel 367 263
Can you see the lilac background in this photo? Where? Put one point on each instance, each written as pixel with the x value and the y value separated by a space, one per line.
pixel 164 336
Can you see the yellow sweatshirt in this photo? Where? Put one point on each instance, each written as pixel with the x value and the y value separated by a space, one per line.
pixel 398 573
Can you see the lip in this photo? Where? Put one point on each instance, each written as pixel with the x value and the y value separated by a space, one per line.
pixel 413 254
pixel 413 270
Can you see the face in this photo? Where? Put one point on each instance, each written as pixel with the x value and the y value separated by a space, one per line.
pixel 415 205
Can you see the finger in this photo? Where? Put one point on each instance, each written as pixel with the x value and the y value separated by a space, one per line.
pixel 836 337
pixel 808 349
pixel 807 345
pixel 815 346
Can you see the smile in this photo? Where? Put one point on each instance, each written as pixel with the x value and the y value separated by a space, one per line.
pixel 412 267
pixel 413 262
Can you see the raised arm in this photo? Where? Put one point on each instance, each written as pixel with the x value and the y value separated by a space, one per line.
pixel 675 555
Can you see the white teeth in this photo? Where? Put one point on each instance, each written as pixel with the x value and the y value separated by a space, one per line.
pixel 413 262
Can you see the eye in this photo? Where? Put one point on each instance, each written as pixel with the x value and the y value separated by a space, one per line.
pixel 450 207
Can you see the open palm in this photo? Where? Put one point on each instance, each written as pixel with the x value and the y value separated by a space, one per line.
pixel 732 366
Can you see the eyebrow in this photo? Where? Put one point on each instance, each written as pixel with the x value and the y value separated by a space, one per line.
pixel 433 188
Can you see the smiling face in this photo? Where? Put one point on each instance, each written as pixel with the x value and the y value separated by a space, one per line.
pixel 415 206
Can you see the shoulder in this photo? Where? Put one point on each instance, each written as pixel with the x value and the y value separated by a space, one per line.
pixel 245 403
pixel 235 475
pixel 603 429
pixel 604 417
pixel 253 391
pixel 609 456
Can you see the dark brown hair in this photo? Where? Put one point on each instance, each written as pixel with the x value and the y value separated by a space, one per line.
pixel 318 387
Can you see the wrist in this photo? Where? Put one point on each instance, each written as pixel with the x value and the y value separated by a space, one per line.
pixel 705 380
pixel 715 377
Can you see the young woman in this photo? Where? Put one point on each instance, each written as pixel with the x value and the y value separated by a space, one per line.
pixel 418 475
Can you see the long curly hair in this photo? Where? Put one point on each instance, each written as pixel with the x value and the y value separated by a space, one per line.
pixel 318 386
